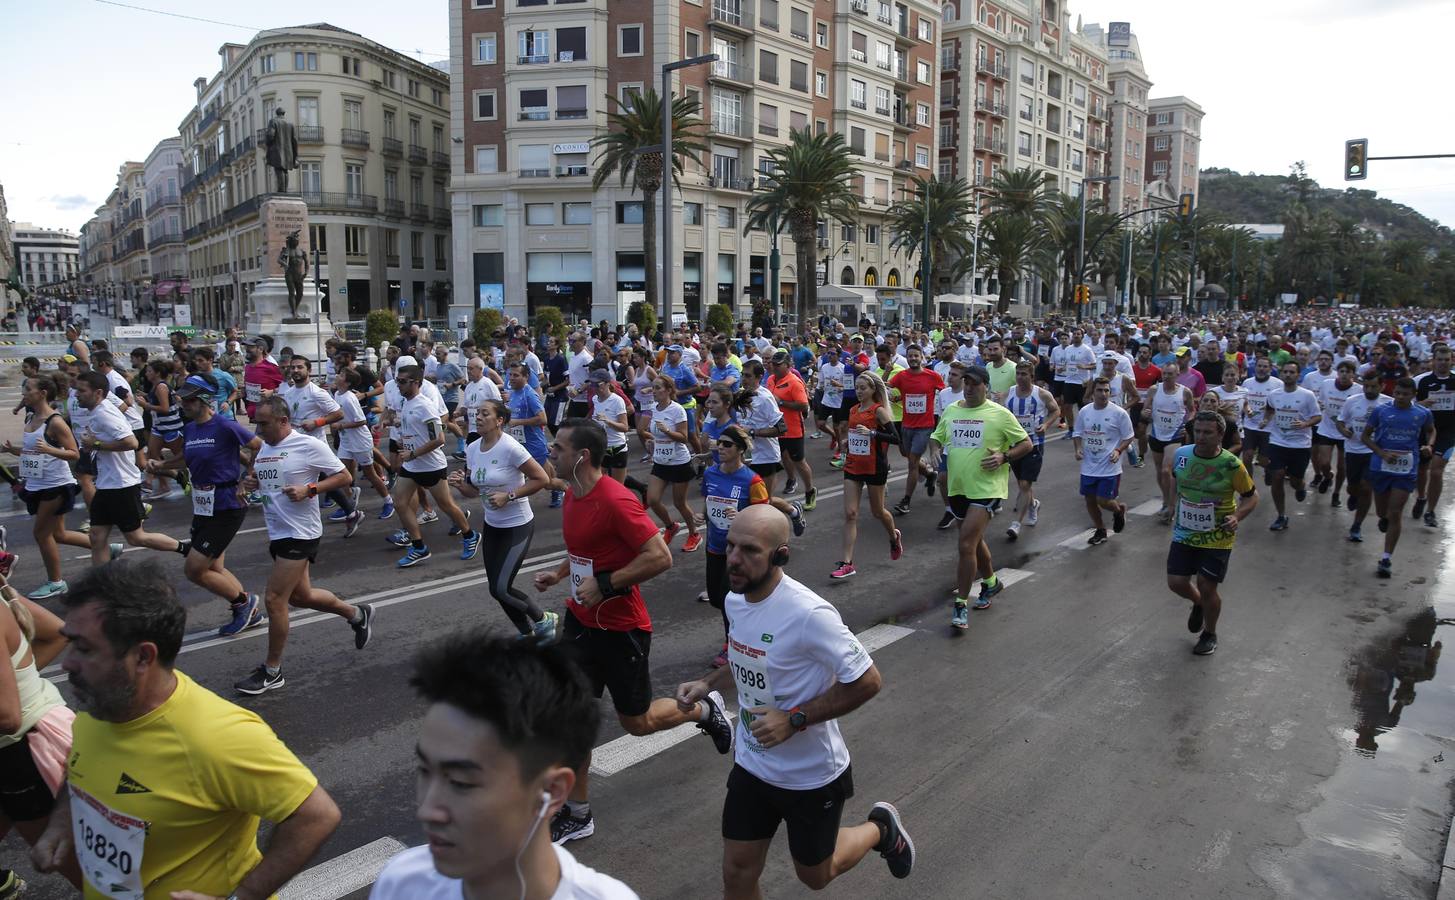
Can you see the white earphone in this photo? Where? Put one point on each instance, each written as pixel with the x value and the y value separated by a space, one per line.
pixel 540 816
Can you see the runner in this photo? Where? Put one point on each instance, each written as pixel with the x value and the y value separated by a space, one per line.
pixel 1293 412
pixel 1103 433
pixel 1168 408
pixel 1255 433
pixel 528 424
pixel 642 377
pixel 1332 391
pixel 1147 376
pixel 760 417
pixel 507 728
pixel 1352 418
pixel 1435 391
pixel 870 432
pixel 285 472
pixel 612 547
pixel 1124 392
pixel 980 440
pixel 1035 409
pixel 1214 494
pixel 789 390
pixel 833 377
pixel 798 670
pixel 424 466
pixel 916 388
pixel 166 425
pixel 314 411
pixel 951 393
pixel 356 450
pixel 1399 434
pixel 728 486
pixel 163 771
pixel 671 463
pixel 684 392
pixel 503 474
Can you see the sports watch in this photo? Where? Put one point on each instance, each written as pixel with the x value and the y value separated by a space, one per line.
pixel 797 718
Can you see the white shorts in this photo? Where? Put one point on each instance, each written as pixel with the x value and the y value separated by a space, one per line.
pixel 362 457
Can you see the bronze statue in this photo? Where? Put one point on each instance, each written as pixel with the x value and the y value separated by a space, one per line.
pixel 295 265
pixel 282 145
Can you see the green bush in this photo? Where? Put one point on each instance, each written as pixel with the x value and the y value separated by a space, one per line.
pixel 550 321
pixel 487 322
pixel 380 326
pixel 720 318
pixel 643 316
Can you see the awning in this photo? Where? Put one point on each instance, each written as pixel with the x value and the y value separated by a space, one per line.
pixel 832 293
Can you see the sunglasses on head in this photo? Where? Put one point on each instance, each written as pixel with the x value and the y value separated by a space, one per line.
pixel 729 442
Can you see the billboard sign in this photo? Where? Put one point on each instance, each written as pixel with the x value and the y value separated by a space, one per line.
pixel 1119 34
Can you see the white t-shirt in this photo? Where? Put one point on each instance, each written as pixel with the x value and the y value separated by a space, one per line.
pixel 474 395
pixel 1102 431
pixel 761 414
pixel 414 432
pixel 497 470
pixel 577 368
pixel 307 402
pixel 834 381
pixel 1080 359
pixel 612 408
pixel 1355 415
pixel 1331 401
pixel 300 459
pixel 114 468
pixel 1314 380
pixel 945 397
pixel 666 451
pixel 1233 398
pixel 132 412
pixel 411 875
pixel 353 440
pixel 393 400
pixel 784 651
pixel 1257 397
pixel 1288 407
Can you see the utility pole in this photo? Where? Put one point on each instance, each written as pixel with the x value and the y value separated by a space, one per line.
pixel 925 264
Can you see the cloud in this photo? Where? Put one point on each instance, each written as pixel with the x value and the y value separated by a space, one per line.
pixel 71 201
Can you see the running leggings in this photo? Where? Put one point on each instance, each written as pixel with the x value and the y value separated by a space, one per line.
pixel 504 550
pixel 717 585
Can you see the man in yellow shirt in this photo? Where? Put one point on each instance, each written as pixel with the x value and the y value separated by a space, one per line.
pixel 167 782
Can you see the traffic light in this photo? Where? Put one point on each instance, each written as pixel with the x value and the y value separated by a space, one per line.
pixel 1083 293
pixel 1356 157
pixel 1184 208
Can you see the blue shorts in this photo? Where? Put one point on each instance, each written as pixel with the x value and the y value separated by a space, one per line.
pixel 1104 486
pixel 691 419
pixel 1383 482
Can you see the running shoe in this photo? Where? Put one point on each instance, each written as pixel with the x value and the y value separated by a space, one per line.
pixel 988 589
pixel 255 498
pixel 817 435
pixel 1014 531
pixel 960 618
pixel 1430 519
pixel 260 682
pixel 1385 569
pixel 116 550
pixel 896 545
pixel 946 521
pixel 547 628
pixel 393 477
pixel 469 545
pixel 326 503
pixel 930 484
pixel 810 499
pixel 1383 524
pixel 5 536
pixel 388 511
pixel 456 531
pixel 1279 524
pixel 1194 618
pixel 895 844
pixel 1035 514
pixel 1300 494
pixel 721 659
pixel 901 508
pixel 1119 521
pixel 1206 645
pixel 1355 537
pixel 845 570
pixel 1324 484
pixel 702 597
pixel 355 495
pixel 11 885
pixel 48 590
pixel 1139 462
pixel 1335 502
pixel 7 562
pixel 717 725
pixel 837 461
pixel 790 487
pixel 1352 503
pixel 1418 509
pixel 84 527
pixel 184 546
pixel 557 498
pixel 146 511
pixel 413 557
pixel 458 455
pixel 352 522
pixel 800 524
pixel 364 630
pixel 670 533
pixel 1097 537
pixel 244 616
pixel 692 543
pixel 338 515
pixel 428 516
pixel 566 827
pixel 399 538
pixel 645 457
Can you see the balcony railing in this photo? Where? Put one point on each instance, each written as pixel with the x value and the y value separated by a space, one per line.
pixel 353 137
pixel 730 184
pixel 419 212
pixel 1054 90
pixel 730 128
pixel 986 106
pixel 860 6
pixel 732 71
pixel 166 237
pixel 1026 115
pixel 310 134
pixel 339 201
pixel 535 173
pixel 859 104
pixel 391 260
pixel 441 215
pixel 417 261
pixel 572 113
pixel 394 207
pixel 439 159
pixel 570 171
pixel 949 60
pixel 417 154
pixel 391 147
pixel 533 114
pixel 534 59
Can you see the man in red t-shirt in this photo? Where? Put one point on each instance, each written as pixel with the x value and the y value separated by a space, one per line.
pixel 915 388
pixel 611 548
pixel 792 395
pixel 1147 376
pixel 260 374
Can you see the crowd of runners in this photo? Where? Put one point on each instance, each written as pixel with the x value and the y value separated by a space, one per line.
pixel 1350 409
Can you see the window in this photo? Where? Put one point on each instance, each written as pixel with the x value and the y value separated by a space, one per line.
pixel 846 233
pixel 921 156
pixel 391 245
pixel 484 106
pixel 416 249
pixel 1023 143
pixel 947 167
pixel 1161 142
pixel 571 102
pixel 922 113
pixel 1162 118
pixel 354 179
pixel 627 88
pixel 571 44
pixel 318 238
pixel 390 124
pixel 692 41
pixel 884 56
pixel 487 160
pixel 768 119
pixel 922 71
pixel 926 29
pixel 821 33
pixel 489 215
pixel 351 65
pixel 437 136
pixel 768 14
pixel 1028 71
pixel 441 245
pixel 798 76
pixel 310 177
pixel 540 214
pixel 768 66
pixel 413 88
pixel 482 4
pixel 535 160
pixel 535 47
pixel 871 234
pixel 947 134
pixel 629 212
pixel 305 62
pixel 798 23
pixel 354 114
pixel 691 213
pixel 727 217
pixel 388 79
pixel 575 213
pixel 882 99
pixel 798 121
pixel 416 190
pixel 629 40
pixel 821 83
pixel 391 184
pixel 484 49
pixel 534 105
pixel 858 47
pixel 856 94
pixel 308 111
pixel 266 64
pixel 856 140
pixel 356 240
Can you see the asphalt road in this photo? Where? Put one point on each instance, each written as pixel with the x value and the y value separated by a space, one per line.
pixel 1067 745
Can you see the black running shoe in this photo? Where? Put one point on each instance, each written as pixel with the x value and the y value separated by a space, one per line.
pixel 1206 644
pixel 1118 521
pixel 1352 503
pixel 260 682
pixel 930 484
pixel 717 725
pixel 1385 568
pixel 895 846
pixel 1194 618
pixel 1418 509
pixel 947 521
pixel 1324 484
pixel 365 629
pixel 566 827
pixel 1430 519
pixel 902 507
pixel 1335 502
pixel 1097 537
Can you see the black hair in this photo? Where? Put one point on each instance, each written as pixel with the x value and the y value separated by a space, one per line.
pixel 413 372
pixel 299 357
pixel 588 437
pixel 94 380
pixel 31 361
pixel 102 358
pixel 1207 415
pixel 137 603
pixel 203 352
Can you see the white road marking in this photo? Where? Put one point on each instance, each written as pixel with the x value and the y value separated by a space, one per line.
pixel 1146 509
pixel 1077 541
pixel 344 874
pixel 1007 576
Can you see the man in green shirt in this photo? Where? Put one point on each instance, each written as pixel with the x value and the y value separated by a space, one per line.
pixel 1002 371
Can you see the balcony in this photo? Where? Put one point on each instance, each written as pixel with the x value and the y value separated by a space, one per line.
pixel 997 110
pixel 737 73
pixel 534 59
pixel 1054 89
pixel 859 104
pixel 208 119
pixel 394 208
pixel 882 111
pixel 531 114
pixel 1097 111
pixel 419 212
pixel 904 165
pixel 392 147
pixel 391 260
pixel 986 67
pixel 417 154
pixel 902 122
pixel 1026 115
pixel 353 137
pixel 310 134
pixel 731 18
pixel 730 184
pixel 166 237
pixel 338 201
pixel 859 56
pixel 441 215
pixel 998 148
pixel 439 159
pixel 732 128
pixel 571 113
pixel 534 173
pixel 859 6
pixel 1075 166
pixel 570 171
pixel 417 262
pixel 1097 143
pixel 949 61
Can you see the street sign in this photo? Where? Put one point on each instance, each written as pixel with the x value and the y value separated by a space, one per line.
pixel 343 290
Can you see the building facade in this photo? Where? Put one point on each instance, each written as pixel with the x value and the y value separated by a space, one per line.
pixel 1174 138
pixel 529 82
pixel 128 239
pixel 372 128
pixel 166 250
pixel 45 258
pixel 7 248
pixel 1129 85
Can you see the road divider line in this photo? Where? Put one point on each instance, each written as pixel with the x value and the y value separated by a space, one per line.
pixel 1149 508
pixel 342 875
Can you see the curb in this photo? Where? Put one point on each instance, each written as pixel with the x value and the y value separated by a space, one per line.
pixel 1445 886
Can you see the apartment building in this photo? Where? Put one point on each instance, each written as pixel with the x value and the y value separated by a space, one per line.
pixel 44 257
pixel 374 163
pixel 166 250
pixel 1129 84
pixel 1174 138
pixel 128 236
pixel 94 247
pixel 529 82
pixel 7 249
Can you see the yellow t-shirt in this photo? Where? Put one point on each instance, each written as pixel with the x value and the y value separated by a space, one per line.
pixel 171 801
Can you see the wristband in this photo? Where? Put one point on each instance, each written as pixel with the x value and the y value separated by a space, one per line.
pixel 312 489
pixel 603 581
pixel 319 422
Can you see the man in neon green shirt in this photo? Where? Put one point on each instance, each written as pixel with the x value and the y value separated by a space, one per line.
pixel 980 438
pixel 886 369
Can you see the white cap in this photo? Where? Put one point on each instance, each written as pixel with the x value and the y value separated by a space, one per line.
pixel 405 361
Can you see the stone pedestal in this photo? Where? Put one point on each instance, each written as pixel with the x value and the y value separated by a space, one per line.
pixel 269 313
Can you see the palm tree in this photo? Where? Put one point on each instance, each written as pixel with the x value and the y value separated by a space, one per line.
pixel 1026 192
pixel 1062 215
pixel 634 126
pixel 810 183
pixel 951 208
pixel 1009 245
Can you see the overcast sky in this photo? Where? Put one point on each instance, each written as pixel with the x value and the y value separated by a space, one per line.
pixel 91 84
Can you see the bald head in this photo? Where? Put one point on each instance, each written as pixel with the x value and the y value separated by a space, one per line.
pixel 752 544
pixel 760 524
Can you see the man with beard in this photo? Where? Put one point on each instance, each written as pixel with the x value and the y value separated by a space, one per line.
pixel 166 781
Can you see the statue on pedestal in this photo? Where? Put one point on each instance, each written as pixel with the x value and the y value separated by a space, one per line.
pixel 294 263
pixel 281 141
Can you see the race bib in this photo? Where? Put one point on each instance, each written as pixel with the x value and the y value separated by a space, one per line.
pixel 31 465
pixel 252 392
pixel 581 569
pixel 1200 517
pixel 1167 422
pixel 916 404
pixel 663 451
pixel 1403 463
pixel 1284 419
pixel 1256 402
pixel 270 478
pixel 750 673
pixel 1095 442
pixel 203 500
pixel 833 397
pixel 1441 401
pixel 1028 423
pixel 109 846
pixel 720 512
pixel 1332 407
pixel 967 434
pixel 518 432
pixel 409 442
pixel 859 444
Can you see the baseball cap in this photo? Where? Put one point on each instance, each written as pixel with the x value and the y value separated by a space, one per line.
pixel 598 376
pixel 857 337
pixel 197 386
pixel 978 373
pixel 781 357
pixel 1181 351
pixel 68 358
pixel 675 348
pixel 1108 355
pixel 403 361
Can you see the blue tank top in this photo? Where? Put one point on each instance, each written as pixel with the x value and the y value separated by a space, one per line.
pixel 718 485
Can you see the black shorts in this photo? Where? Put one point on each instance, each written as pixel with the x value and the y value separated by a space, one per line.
pixel 832 414
pixel 1292 460
pixel 766 470
pixel 425 479
pixel 1135 412
pixel 578 409
pixel 1321 441
pixel 1356 466
pixel 1028 468
pixel 673 474
pixel 616 661
pixel 615 458
pixel 792 448
pixel 393 447
pixel 294 548
pixel 86 465
pixel 754 808
pixel 874 479
pixel 24 795
pixel 211 534
pixel 960 506
pixel 67 493
pixel 1444 440
pixel 1160 446
pixel 1073 393
pixel 118 507
pixel 1255 440
pixel 1186 561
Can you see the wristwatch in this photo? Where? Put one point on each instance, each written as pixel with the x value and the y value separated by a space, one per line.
pixel 797 718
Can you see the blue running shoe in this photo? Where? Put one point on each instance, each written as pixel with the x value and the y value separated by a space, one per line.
pixel 244 616
pixel 399 538
pixel 388 511
pixel 960 618
pixel 469 545
pixel 338 515
pixel 414 557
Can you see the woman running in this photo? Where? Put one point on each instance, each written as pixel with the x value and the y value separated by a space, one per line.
pixel 727 486
pixel 642 377
pixel 166 431
pixel 720 414
pixel 671 463
pixel 866 464
pixel 500 471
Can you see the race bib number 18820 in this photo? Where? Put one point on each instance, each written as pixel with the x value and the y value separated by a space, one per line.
pixel 109 846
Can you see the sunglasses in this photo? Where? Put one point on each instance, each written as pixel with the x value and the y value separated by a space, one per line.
pixel 726 442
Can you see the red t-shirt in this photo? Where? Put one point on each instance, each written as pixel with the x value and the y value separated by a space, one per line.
pixel 604 531
pixel 792 389
pixel 917 392
pixel 266 375
pixel 1146 377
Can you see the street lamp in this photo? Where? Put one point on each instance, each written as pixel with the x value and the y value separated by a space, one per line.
pixel 1081 235
pixel 665 260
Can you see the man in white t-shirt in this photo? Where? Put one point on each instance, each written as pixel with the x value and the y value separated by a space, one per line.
pixel 797 669
pixel 1292 411
pixel 286 472
pixel 478 388
pixel 487 783
pixel 423 467
pixel 313 410
pixel 1103 433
